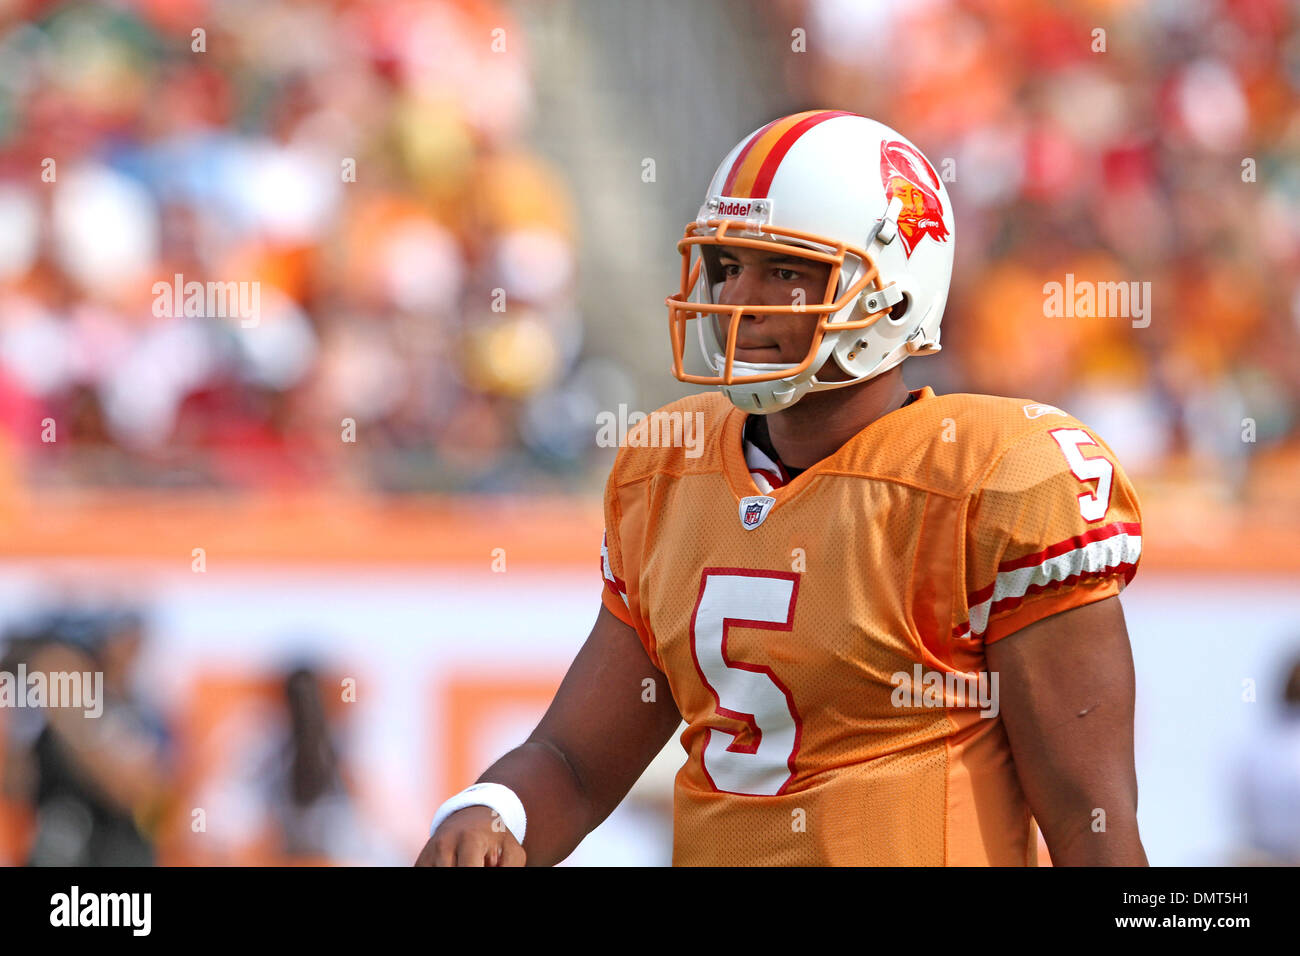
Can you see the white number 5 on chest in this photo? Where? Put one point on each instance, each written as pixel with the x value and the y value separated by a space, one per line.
pixel 751 693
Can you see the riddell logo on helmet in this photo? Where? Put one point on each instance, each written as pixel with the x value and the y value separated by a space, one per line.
pixel 735 207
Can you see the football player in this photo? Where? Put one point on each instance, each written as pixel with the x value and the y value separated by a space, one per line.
pixel 889 618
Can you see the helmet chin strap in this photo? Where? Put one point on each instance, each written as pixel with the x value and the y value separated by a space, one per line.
pixel 763 398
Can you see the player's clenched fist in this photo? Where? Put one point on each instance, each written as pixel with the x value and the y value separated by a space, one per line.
pixel 474 836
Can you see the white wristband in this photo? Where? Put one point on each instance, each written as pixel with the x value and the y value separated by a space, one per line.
pixel 496 796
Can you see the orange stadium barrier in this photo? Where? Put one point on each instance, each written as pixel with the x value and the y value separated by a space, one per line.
pixel 1184 530
pixel 311 528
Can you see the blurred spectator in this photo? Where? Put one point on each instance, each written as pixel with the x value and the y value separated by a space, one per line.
pixel 1269 783
pixel 313 807
pixel 98 785
pixel 279 791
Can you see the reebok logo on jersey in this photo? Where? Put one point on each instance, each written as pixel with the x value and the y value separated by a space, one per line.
pixel 754 510
pixel 1038 410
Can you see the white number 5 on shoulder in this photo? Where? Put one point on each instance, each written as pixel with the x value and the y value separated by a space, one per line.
pixel 1096 468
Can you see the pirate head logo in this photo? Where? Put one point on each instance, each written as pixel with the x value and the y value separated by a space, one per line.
pixel 908 175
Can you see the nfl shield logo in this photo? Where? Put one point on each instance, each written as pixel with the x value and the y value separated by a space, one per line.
pixel 754 509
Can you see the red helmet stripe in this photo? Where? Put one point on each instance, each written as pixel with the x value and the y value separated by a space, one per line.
pixel 740 158
pixel 763 178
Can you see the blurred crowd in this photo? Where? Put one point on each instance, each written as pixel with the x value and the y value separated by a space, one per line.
pixel 368 165
pixel 1111 141
pixel 362 163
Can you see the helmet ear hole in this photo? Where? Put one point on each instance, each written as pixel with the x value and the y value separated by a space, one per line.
pixel 898 314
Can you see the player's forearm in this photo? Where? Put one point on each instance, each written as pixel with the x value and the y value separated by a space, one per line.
pixel 560 813
pixel 1087 838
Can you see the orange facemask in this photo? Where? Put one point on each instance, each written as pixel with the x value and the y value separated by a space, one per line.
pixel 681 310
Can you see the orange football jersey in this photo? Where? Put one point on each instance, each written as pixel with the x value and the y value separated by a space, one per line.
pixel 824 642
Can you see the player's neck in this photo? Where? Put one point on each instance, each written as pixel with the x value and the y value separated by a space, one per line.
pixel 820 423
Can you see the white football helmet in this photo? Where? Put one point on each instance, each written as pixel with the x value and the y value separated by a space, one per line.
pixel 838 188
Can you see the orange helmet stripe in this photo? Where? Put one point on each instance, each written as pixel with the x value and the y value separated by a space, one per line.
pixel 740 159
pixel 752 172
